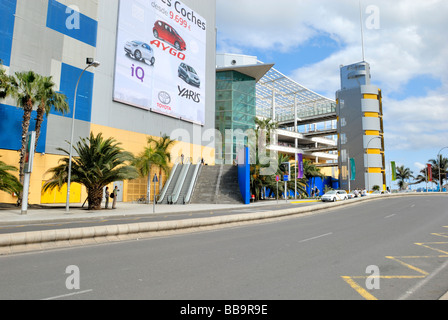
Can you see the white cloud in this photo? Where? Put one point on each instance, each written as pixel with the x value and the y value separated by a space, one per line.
pixel 410 42
pixel 416 123
pixel 419 165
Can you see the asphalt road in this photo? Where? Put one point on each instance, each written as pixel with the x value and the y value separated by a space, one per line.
pixel 328 255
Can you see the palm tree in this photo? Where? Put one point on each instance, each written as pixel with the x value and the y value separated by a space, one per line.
pixel 155 154
pixel 403 174
pixel 99 163
pixel 266 126
pixel 164 144
pixel 8 182
pixel 439 169
pixel 310 171
pixel 48 100
pixel 261 173
pixel 5 83
pixel 421 177
pixel 30 89
pixel 258 180
pixel 24 89
pixel 301 183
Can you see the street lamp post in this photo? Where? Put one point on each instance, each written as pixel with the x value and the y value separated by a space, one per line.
pixel 440 164
pixel 368 173
pixel 94 64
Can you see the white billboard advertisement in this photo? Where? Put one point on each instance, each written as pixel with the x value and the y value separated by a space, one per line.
pixel 161 58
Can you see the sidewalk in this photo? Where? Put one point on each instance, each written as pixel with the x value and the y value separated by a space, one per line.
pixel 50 213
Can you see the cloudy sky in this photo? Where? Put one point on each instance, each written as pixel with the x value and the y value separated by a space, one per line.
pixel 406 44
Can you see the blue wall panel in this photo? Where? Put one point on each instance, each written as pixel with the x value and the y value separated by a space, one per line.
pixel 7 14
pixel 244 177
pixel 57 17
pixel 11 119
pixel 69 78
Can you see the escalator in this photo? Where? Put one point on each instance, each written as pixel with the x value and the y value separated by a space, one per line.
pixel 179 187
pixel 170 184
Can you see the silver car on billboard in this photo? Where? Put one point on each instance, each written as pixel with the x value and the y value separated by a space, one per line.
pixel 140 51
pixel 189 75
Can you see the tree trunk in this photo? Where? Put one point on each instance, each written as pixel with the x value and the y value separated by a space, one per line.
pixel 39 120
pixel 27 110
pixel 95 197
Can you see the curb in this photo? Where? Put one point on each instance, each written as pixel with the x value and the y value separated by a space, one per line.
pixel 27 241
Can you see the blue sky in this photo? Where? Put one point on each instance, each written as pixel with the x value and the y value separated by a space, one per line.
pixel 405 44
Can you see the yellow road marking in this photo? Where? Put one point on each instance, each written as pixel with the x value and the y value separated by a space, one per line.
pixel 422 257
pixel 304 201
pixel 388 277
pixel 445 235
pixel 363 292
pixel 425 244
pixel 409 266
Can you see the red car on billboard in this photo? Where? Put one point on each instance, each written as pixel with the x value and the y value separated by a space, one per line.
pixel 165 32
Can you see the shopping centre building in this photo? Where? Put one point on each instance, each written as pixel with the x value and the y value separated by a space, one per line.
pixel 129 97
pixel 247 88
pixel 159 74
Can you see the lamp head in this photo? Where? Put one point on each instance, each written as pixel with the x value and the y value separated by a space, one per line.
pixel 92 62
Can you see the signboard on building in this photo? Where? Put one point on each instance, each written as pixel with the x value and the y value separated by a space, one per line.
pixel 161 58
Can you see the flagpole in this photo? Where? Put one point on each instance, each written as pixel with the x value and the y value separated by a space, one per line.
pixel 362 31
pixel 349 171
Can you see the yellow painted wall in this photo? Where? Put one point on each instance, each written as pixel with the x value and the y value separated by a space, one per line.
pixel 136 142
pixel 328 171
pixel 130 141
pixel 41 164
pixel 60 196
pixel 371 96
pixel 10 158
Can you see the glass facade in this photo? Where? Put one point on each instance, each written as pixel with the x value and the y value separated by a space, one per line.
pixel 235 112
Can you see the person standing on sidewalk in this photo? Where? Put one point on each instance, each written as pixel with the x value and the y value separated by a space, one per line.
pixel 106 195
pixel 115 192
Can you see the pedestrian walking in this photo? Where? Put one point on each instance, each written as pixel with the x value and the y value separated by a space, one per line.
pixel 114 196
pixel 106 195
pixel 182 158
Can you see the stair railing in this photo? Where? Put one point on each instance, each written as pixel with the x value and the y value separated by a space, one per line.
pixel 180 181
pixel 167 184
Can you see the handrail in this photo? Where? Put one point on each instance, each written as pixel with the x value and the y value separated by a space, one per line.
pixel 193 181
pixel 180 181
pixel 167 184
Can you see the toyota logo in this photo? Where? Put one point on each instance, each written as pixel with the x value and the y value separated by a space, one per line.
pixel 164 97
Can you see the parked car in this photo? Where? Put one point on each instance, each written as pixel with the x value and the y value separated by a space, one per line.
pixel 165 32
pixel 335 195
pixel 189 75
pixel 140 51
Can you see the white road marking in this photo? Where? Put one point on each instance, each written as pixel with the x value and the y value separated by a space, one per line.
pixel 68 295
pixel 410 292
pixel 314 238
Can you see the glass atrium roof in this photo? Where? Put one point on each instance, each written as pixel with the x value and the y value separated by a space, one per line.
pixel 287 91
